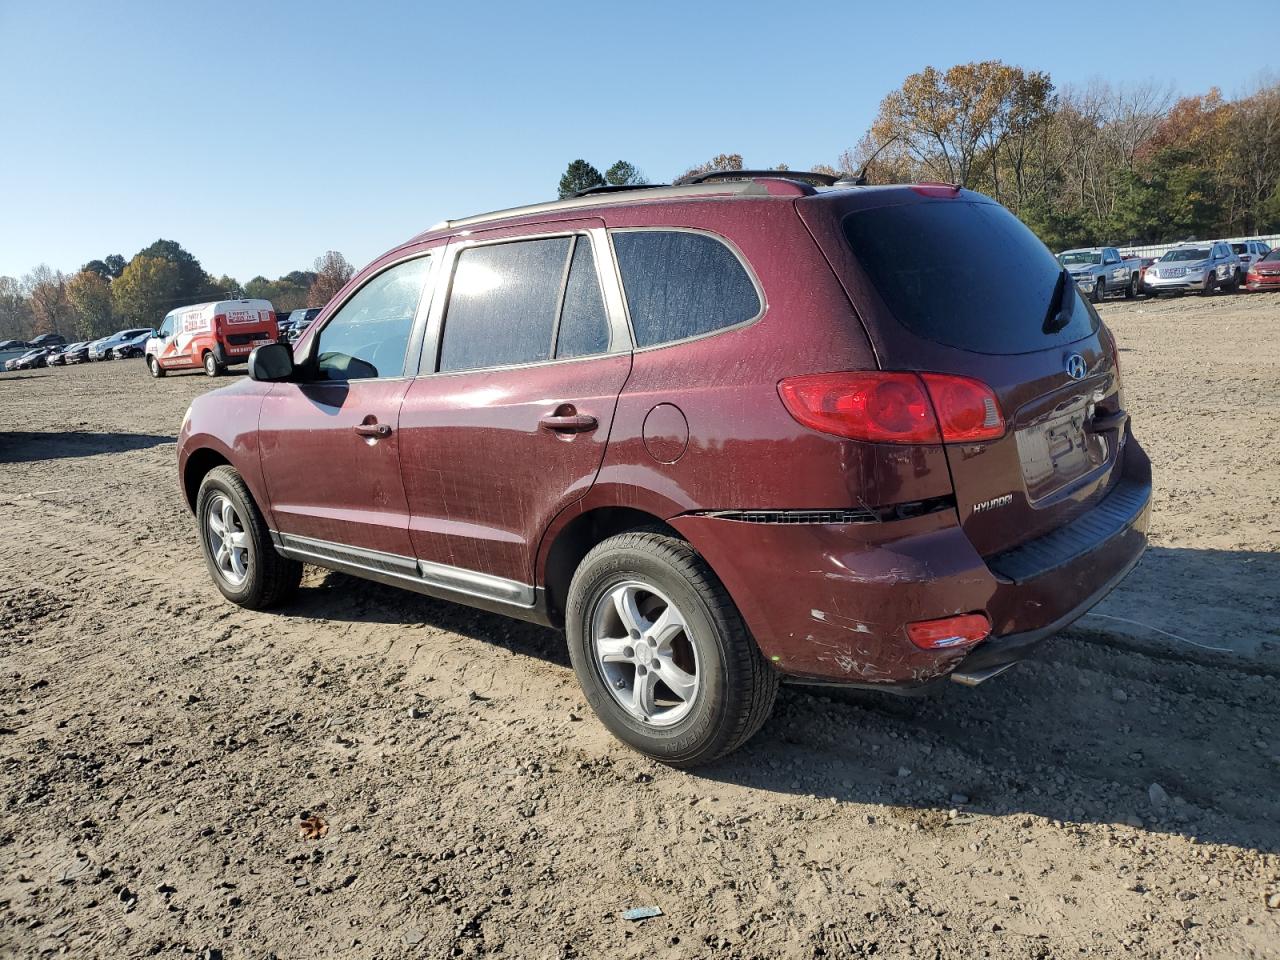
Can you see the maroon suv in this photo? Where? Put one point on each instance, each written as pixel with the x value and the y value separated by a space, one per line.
pixel 724 433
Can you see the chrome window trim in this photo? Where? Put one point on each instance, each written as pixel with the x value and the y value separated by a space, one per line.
pixel 620 341
pixel 732 247
pixel 405 571
pixel 413 349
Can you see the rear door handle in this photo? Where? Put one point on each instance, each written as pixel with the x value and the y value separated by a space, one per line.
pixel 379 431
pixel 571 423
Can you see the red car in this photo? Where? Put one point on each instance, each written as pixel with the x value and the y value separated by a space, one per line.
pixel 1264 274
pixel 724 433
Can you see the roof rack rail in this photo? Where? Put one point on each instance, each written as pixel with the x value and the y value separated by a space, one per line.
pixel 805 176
pixel 616 188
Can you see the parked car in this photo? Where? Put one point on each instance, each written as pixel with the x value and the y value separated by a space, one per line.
pixel 1099 271
pixel 1202 266
pixel 723 434
pixel 13 344
pixel 57 356
pixel 76 353
pixel 1249 252
pixel 1264 274
pixel 31 360
pixel 133 347
pixel 104 349
pixel 292 326
pixel 49 340
pixel 211 335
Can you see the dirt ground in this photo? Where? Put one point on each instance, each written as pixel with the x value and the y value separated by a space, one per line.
pixel 159 747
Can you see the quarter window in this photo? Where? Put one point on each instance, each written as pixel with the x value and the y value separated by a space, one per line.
pixel 680 284
pixel 369 334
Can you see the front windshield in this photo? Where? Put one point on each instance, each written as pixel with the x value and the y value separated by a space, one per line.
pixel 1186 253
pixel 1073 257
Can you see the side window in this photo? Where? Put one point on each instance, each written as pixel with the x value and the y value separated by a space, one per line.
pixel 166 328
pixel 680 284
pixel 584 325
pixel 503 304
pixel 368 336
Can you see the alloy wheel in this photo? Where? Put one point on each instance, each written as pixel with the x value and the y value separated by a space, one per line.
pixel 228 540
pixel 645 654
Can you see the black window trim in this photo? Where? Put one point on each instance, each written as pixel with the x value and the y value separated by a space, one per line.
pixel 413 349
pixel 732 247
pixel 430 361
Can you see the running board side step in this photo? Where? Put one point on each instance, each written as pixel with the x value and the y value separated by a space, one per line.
pixel 974 677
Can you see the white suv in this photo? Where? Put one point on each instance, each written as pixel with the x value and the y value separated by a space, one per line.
pixel 1249 252
pixel 1203 266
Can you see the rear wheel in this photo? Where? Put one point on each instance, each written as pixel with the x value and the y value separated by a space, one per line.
pixel 211 366
pixel 1131 290
pixel 661 651
pixel 1099 291
pixel 237 546
pixel 153 365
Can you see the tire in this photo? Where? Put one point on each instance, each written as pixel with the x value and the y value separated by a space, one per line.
pixel 734 687
pixel 1208 285
pixel 211 366
pixel 1233 285
pixel 267 578
pixel 1131 291
pixel 153 365
pixel 1099 291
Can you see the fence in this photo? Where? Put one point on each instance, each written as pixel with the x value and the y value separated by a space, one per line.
pixel 1159 249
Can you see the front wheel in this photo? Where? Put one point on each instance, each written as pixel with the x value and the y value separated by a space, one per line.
pixel 153 365
pixel 211 366
pixel 237 546
pixel 661 652
pixel 1099 291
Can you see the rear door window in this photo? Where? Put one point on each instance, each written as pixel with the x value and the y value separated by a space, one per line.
pixel 968 274
pixel 681 284
pixel 584 325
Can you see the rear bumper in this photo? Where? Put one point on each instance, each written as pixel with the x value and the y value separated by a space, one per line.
pixel 830 603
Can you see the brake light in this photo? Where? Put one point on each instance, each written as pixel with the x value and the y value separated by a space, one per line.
pixel 868 405
pixel 219 319
pixel 894 407
pixel 949 632
pixel 931 188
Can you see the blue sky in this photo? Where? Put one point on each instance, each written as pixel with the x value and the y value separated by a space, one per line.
pixel 259 135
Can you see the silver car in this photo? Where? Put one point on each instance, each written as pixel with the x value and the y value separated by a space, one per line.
pixel 1202 266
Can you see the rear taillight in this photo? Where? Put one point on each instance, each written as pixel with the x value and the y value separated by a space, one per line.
pixel 1115 353
pixel 962 631
pixel 219 319
pixel 894 407
pixel 967 409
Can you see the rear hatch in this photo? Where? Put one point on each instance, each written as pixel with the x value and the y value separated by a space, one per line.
pixel 947 281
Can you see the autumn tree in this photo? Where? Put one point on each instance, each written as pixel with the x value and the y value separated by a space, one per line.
pixel 579 175
pixel 721 161
pixel 15 311
pixel 47 290
pixel 332 273
pixel 148 288
pixel 288 293
pixel 90 296
pixel 192 286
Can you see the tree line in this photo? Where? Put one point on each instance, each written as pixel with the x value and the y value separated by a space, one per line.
pixel 105 295
pixel 1081 166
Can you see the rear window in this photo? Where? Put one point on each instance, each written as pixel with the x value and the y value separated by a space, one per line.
pixel 967 275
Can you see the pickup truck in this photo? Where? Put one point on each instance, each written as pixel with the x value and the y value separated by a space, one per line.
pixel 1099 271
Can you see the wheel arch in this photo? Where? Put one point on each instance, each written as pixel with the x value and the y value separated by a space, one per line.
pixel 199 463
pixel 564 550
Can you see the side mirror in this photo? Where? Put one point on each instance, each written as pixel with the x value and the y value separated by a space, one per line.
pixel 271 363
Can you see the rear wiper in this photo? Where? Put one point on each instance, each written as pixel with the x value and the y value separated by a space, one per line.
pixel 1059 313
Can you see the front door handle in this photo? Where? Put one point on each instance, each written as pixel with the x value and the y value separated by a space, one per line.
pixel 570 423
pixel 378 431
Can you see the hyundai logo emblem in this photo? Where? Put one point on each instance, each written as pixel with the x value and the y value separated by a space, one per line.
pixel 1076 367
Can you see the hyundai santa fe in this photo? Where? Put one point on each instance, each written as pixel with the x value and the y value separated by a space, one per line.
pixel 723 433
